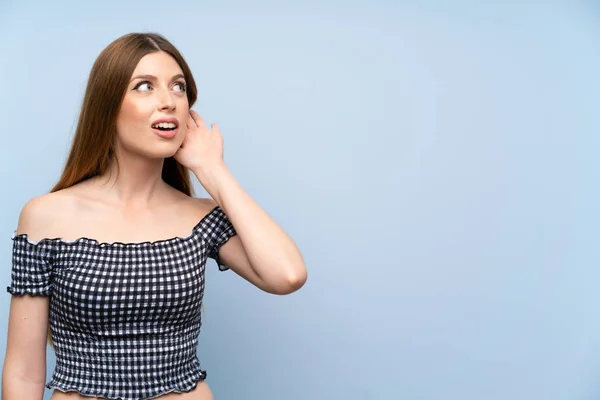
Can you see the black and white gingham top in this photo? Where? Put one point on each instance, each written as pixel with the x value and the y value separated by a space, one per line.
pixel 124 317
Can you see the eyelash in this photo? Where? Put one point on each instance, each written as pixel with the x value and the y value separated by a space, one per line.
pixel 182 84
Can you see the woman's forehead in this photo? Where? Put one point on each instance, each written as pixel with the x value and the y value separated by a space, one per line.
pixel 159 64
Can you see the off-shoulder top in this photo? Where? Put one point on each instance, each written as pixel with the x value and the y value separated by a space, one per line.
pixel 124 317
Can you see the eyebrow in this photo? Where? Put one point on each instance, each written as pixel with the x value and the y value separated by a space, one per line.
pixel 153 78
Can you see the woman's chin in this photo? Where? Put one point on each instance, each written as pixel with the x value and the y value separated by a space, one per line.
pixel 161 152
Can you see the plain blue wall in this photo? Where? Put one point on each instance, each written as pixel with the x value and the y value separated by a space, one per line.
pixel 437 164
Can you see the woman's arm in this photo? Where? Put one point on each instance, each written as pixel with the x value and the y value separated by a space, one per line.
pixel 262 252
pixel 24 370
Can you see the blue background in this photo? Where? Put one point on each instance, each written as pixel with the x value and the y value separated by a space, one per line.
pixel 437 165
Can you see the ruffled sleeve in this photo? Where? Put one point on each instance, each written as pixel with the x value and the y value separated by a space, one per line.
pixel 221 230
pixel 31 266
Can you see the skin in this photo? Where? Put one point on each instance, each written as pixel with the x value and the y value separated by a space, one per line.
pixel 136 206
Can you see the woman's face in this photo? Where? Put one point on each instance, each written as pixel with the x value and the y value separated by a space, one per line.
pixel 155 92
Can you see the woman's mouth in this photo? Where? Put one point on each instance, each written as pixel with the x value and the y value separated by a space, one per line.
pixel 165 130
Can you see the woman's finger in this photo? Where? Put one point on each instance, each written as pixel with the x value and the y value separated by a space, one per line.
pixel 190 123
pixel 198 119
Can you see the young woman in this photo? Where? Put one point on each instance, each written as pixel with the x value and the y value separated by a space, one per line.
pixel 110 263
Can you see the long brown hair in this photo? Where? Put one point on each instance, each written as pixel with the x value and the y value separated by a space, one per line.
pixel 92 149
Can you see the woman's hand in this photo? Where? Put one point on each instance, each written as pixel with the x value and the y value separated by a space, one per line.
pixel 202 148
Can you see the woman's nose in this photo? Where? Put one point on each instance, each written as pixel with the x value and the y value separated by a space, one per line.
pixel 166 100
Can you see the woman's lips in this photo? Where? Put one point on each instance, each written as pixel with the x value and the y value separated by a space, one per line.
pixel 166 134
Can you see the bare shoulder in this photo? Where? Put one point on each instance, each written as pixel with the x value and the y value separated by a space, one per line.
pixel 194 207
pixel 203 205
pixel 41 214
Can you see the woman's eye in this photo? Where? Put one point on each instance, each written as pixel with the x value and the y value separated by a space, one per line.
pixel 142 84
pixel 181 86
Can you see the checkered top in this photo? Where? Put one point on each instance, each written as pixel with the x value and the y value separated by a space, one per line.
pixel 124 317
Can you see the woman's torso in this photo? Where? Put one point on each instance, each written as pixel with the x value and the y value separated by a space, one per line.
pixel 96 219
pixel 201 392
pixel 83 211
